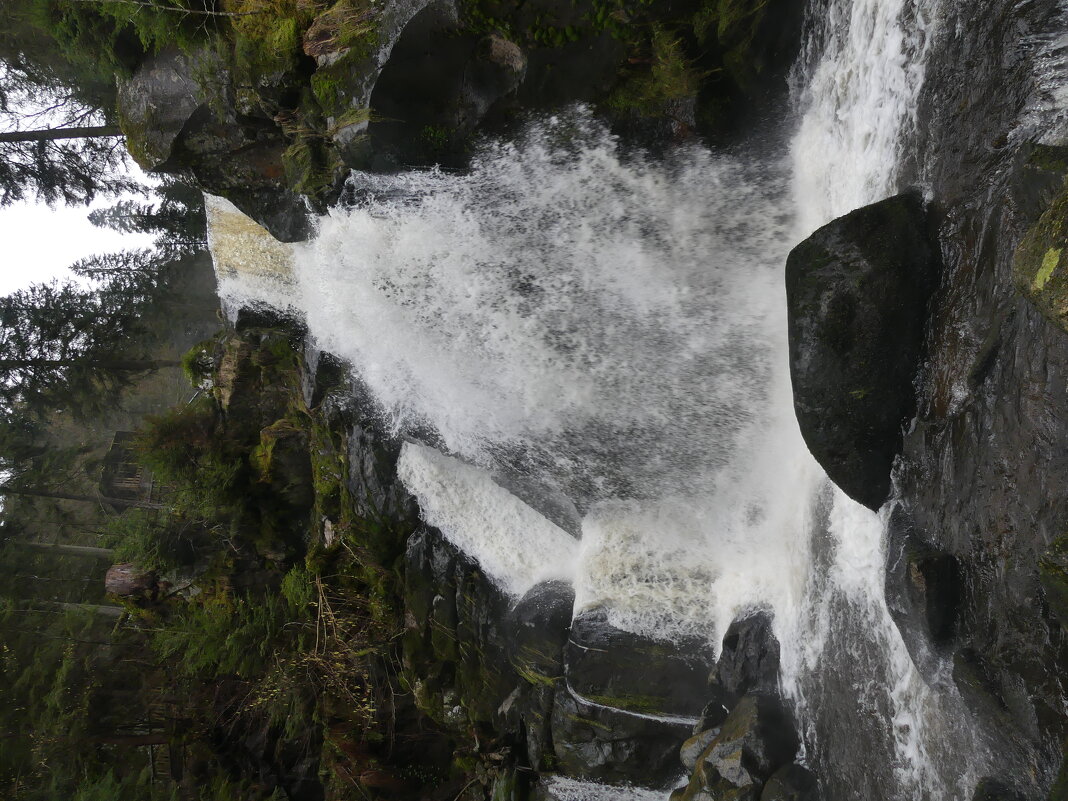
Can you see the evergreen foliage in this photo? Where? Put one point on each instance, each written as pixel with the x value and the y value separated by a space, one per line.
pixel 66 348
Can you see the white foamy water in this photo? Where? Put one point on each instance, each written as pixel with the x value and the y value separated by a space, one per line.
pixel 514 544
pixel 614 326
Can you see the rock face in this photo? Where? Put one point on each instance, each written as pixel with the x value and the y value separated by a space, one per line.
pixel 179 112
pixel 626 671
pixel 924 592
pixel 983 471
pixel 857 294
pixel 1040 266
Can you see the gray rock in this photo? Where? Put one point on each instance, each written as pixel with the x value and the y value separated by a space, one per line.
pixel 694 747
pixel 791 783
pixel 757 738
pixel 857 295
pixel 749 659
pixel 626 671
pixel 538 627
pixel 158 100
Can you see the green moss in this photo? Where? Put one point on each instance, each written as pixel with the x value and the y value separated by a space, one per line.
pixel 644 704
pixel 670 78
pixel 534 678
pixel 1037 258
pixel 1045 272
pixel 593 724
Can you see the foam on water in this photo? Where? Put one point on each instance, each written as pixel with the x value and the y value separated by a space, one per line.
pixel 514 544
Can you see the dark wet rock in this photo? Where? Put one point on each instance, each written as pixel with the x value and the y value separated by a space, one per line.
pixel 997 790
pixel 749 659
pixel 612 746
pixel 1059 791
pixel 439 83
pixel 378 494
pixel 924 592
pixel 627 671
pixel 791 783
pixel 538 627
pixel 983 469
pixel 456 651
pixel 282 462
pixel 714 712
pixel 857 294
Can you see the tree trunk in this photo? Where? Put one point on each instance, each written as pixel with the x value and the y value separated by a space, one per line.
pixel 52 134
pixel 122 503
pixel 132 365
pixel 72 550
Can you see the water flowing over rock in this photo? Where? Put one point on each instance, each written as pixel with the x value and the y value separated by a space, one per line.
pixel 857 293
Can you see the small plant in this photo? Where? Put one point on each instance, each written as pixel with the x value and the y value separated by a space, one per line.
pixel 198 364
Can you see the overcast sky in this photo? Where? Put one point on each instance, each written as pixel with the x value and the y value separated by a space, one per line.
pixel 38 242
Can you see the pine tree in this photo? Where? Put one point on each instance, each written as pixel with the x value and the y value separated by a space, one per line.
pixel 63 347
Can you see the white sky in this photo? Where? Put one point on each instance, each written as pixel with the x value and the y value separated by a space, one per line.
pixel 38 243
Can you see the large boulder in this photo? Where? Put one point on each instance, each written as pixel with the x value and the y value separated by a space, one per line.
pixel 749 658
pixel 757 739
pixel 857 297
pixel 608 745
pixel 622 670
pixel 537 627
pixel 179 112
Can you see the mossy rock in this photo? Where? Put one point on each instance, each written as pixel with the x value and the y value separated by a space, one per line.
pixel 1040 265
pixel 1053 573
pixel 282 461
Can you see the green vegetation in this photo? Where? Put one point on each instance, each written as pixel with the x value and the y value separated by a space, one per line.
pixel 670 78
pixel 1038 267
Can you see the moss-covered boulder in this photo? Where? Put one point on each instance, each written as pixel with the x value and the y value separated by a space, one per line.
pixel 180 112
pixel 857 294
pixel 1040 265
pixel 282 461
pixel 627 671
pixel 608 745
pixel 755 741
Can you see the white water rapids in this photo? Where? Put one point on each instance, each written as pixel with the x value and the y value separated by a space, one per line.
pixel 612 327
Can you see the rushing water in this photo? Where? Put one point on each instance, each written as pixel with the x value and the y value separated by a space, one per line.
pixel 611 328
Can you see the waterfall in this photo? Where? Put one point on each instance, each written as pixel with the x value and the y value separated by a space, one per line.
pixel 611 327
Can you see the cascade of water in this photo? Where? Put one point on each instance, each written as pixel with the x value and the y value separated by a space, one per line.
pixel 613 326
